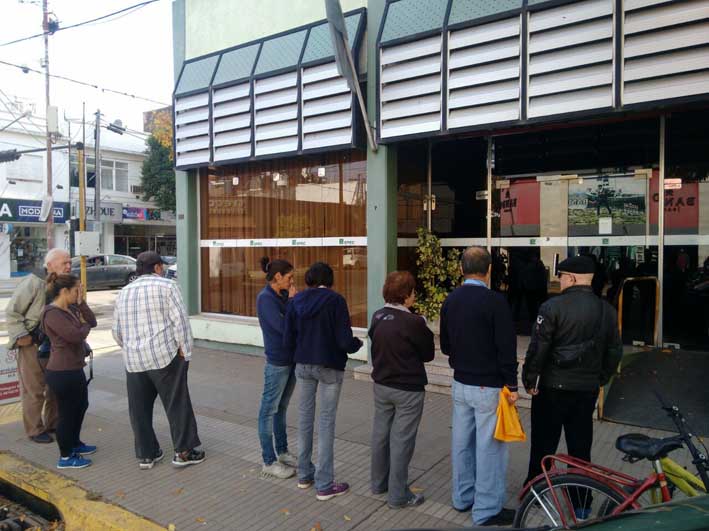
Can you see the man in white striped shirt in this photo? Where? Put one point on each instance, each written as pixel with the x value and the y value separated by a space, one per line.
pixel 151 325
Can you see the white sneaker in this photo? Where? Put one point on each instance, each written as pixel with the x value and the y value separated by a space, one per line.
pixel 277 470
pixel 288 459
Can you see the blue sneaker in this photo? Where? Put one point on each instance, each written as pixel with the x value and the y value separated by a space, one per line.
pixel 582 513
pixel 73 461
pixel 85 449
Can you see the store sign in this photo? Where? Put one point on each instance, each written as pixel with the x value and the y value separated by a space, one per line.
pixel 681 206
pixel 519 208
pixel 109 211
pixel 29 211
pixel 141 214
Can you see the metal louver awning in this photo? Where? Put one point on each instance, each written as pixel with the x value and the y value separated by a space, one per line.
pixel 281 95
pixel 448 66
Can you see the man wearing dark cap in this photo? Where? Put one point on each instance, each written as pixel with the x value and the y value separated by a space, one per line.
pixel 151 325
pixel 575 349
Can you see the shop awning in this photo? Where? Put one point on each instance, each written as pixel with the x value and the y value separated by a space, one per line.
pixel 281 95
pixel 447 66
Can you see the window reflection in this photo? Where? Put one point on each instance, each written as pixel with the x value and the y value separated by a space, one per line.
pixel 294 199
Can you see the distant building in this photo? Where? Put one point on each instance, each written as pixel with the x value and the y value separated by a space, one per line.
pixel 130 225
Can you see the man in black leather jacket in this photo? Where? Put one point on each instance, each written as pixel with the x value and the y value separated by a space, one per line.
pixel 574 350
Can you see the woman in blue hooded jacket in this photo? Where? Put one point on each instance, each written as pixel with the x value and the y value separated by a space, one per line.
pixel 319 332
pixel 278 373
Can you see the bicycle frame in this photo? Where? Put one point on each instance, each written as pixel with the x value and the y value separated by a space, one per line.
pixel 612 478
pixel 683 479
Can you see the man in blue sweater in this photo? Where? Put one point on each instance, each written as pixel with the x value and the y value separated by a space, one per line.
pixel 478 336
pixel 278 373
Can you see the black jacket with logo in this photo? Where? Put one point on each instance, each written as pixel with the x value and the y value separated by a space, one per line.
pixel 567 323
pixel 401 343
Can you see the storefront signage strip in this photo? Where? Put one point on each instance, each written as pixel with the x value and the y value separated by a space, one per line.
pixel 561 241
pixel 335 241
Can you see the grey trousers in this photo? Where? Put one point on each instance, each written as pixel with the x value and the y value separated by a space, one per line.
pixel 397 415
pixel 170 384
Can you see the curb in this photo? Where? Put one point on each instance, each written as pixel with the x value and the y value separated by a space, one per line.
pixel 79 508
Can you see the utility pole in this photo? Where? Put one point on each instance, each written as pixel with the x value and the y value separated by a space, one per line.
pixel 81 159
pixel 97 179
pixel 50 218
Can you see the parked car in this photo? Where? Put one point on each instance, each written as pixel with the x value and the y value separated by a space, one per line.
pixel 106 271
pixel 169 260
pixel 171 272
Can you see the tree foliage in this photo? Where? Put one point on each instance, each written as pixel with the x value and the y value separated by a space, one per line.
pixel 159 175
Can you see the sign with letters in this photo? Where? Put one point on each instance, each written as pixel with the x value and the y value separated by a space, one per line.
pixel 109 211
pixel 28 211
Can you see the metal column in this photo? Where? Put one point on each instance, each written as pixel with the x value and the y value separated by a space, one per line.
pixel 661 233
pixel 429 187
pixel 489 194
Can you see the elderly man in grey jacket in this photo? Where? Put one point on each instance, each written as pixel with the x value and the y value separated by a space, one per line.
pixel 23 315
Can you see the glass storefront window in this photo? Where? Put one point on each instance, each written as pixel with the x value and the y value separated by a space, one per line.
pixel 305 209
pixel 686 250
pixel 28 246
pixel 583 190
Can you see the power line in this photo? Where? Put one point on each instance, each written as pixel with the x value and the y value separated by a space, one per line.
pixel 78 24
pixel 26 69
pixel 12 113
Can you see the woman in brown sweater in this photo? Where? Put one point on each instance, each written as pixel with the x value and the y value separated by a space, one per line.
pixel 67 320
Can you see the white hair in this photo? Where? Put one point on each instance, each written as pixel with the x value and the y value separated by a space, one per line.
pixel 52 254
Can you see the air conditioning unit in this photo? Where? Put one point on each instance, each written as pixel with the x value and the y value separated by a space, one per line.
pixel 136 189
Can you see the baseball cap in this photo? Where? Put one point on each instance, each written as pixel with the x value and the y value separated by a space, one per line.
pixel 146 262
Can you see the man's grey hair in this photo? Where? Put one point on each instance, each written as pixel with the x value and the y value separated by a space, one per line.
pixel 53 254
pixel 476 261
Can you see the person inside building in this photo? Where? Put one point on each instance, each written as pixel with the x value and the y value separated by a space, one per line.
pixel 478 336
pixel 151 325
pixel 67 321
pixel 23 316
pixel 319 332
pixel 574 350
pixel 279 370
pixel 401 344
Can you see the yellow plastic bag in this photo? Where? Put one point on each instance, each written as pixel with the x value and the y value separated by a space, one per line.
pixel 508 428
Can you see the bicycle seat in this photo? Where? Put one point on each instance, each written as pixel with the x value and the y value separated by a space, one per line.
pixel 640 446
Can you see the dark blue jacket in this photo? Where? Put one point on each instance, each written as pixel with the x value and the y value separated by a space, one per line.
pixel 318 329
pixel 478 336
pixel 271 311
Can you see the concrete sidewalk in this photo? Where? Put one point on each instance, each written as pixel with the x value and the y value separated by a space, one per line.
pixel 226 491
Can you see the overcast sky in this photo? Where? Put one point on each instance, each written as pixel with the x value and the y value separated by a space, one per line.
pixel 130 53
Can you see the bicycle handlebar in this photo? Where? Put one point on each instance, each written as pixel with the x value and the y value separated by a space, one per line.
pixel 699 459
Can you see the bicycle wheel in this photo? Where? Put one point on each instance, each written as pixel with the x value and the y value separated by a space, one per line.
pixel 579 496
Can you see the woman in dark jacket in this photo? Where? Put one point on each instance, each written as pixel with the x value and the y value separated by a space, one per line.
pixel 67 321
pixel 319 332
pixel 401 343
pixel 279 371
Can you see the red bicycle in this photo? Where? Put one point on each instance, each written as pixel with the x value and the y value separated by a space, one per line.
pixel 571 491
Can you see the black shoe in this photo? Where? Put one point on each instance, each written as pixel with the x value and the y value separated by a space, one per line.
pixel 190 457
pixel 464 509
pixel 377 492
pixel 412 501
pixel 504 517
pixel 147 463
pixel 42 438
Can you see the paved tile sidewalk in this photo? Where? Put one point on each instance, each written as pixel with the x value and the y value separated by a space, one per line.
pixel 226 491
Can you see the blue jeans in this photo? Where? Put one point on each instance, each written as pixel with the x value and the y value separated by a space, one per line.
pixel 479 461
pixel 330 383
pixel 278 385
